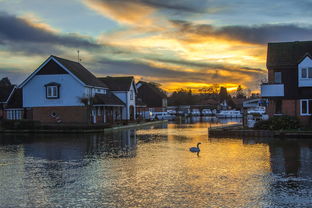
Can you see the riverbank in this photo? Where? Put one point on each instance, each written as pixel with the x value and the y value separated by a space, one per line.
pixel 237 130
pixel 73 129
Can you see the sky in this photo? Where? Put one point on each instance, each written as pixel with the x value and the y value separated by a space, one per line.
pixel 177 43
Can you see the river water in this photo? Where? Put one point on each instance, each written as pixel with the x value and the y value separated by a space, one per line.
pixel 152 167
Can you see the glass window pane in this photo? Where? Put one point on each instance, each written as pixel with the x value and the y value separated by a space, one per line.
pixel 49 92
pixel 310 73
pixel 278 107
pixel 54 91
pixel 304 106
pixel 309 110
pixel 303 73
pixel 278 77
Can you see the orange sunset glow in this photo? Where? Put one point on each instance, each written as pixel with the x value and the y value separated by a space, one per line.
pixel 178 44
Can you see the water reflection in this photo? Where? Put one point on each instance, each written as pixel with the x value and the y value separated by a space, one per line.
pixel 152 167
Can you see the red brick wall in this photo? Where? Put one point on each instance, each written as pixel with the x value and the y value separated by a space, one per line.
pixel 69 114
pixel 271 108
pixel 290 108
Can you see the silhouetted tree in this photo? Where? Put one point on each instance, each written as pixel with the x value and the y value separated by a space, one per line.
pixel 240 93
pixel 5 82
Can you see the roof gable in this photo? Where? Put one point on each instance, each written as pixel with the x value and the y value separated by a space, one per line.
pixel 75 69
pixel 51 68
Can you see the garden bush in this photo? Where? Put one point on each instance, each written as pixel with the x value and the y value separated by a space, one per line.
pixel 278 123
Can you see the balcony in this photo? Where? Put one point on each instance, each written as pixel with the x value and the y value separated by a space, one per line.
pixel 272 90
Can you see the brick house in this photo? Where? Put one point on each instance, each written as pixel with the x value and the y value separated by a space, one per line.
pixel 63 91
pixel 289 87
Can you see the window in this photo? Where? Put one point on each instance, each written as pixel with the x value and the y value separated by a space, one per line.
pixel 52 90
pixel 278 107
pixel 305 107
pixel 99 111
pixel 277 77
pixel 306 73
pixel 131 94
pixel 14 114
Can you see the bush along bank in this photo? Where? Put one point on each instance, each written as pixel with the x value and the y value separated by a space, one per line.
pixel 278 123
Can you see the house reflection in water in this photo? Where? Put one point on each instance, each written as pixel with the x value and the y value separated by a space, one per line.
pixel 288 157
pixel 64 147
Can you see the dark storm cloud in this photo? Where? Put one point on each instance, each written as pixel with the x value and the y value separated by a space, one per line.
pixel 261 34
pixel 17 30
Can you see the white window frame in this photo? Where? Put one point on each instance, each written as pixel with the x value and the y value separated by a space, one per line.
pixel 308 110
pixel 307 73
pixel 14 114
pixel 54 91
pixel 131 95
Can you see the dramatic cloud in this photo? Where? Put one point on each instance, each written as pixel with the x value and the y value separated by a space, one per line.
pixel 178 43
pixel 261 34
pixel 16 31
pixel 208 73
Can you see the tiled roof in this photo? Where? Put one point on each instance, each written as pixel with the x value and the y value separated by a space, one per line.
pixel 16 101
pixel 80 72
pixel 117 83
pixel 5 92
pixel 107 99
pixel 287 54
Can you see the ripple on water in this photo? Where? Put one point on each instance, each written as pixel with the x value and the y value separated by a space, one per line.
pixel 153 167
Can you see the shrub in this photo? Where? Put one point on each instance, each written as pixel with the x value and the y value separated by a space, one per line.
pixel 278 123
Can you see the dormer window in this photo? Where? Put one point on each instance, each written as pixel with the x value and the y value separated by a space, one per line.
pixel 52 90
pixel 131 94
pixel 306 73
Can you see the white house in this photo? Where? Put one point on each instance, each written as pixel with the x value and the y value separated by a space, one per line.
pixel 61 90
pixel 124 88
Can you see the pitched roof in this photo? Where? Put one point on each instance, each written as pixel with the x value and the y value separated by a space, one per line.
pixel 107 99
pixel 117 83
pixel 155 89
pixel 16 101
pixel 287 54
pixel 80 72
pixel 5 93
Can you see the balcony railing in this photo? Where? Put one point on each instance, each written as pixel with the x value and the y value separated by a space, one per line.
pixel 272 90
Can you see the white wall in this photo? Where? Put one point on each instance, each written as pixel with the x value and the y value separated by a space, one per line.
pixel 305 63
pixel 34 94
pixel 124 96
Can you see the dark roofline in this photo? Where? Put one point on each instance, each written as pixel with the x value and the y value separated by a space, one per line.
pixel 287 54
pixel 85 77
pixel 119 83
